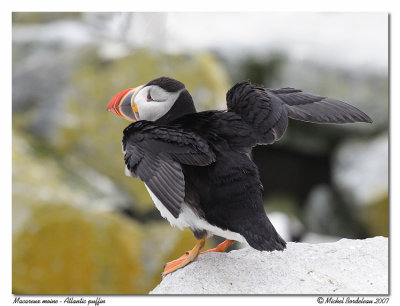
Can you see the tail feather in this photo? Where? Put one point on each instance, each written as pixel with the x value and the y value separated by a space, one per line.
pixel 264 237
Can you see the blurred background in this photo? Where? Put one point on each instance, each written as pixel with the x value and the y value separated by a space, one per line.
pixel 80 226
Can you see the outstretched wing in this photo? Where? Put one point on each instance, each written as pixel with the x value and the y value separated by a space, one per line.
pixel 267 111
pixel 313 108
pixel 154 153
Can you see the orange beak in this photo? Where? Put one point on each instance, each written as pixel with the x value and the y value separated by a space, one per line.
pixel 122 104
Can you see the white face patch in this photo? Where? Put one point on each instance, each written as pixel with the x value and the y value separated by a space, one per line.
pixel 153 102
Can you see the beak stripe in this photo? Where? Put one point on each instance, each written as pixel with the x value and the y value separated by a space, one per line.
pixel 114 105
pixel 125 107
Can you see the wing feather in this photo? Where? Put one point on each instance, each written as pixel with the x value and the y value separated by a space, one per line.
pixel 154 153
pixel 266 111
pixel 318 109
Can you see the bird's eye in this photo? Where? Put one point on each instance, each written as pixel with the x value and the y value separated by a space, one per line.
pixel 149 98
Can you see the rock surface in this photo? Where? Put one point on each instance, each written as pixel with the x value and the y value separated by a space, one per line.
pixel 344 267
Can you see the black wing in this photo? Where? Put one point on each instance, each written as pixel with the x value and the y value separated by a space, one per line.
pixel 313 108
pixel 154 153
pixel 266 111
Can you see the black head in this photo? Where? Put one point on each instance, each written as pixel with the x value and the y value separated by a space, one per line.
pixel 168 84
pixel 162 100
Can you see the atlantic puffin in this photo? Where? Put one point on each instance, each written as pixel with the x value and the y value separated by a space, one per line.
pixel 197 166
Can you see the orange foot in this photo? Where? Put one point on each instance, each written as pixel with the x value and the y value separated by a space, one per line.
pixel 220 247
pixel 185 259
pixel 188 257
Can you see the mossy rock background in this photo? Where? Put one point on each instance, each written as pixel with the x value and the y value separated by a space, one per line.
pixel 64 250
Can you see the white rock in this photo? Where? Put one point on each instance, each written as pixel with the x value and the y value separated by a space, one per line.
pixel 344 267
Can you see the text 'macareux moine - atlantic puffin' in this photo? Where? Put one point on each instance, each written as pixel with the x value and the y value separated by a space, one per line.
pixel 197 167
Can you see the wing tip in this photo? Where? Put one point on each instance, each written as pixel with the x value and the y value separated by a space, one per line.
pixel 360 116
pixel 368 119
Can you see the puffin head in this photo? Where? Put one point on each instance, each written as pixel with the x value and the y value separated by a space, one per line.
pixel 163 100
